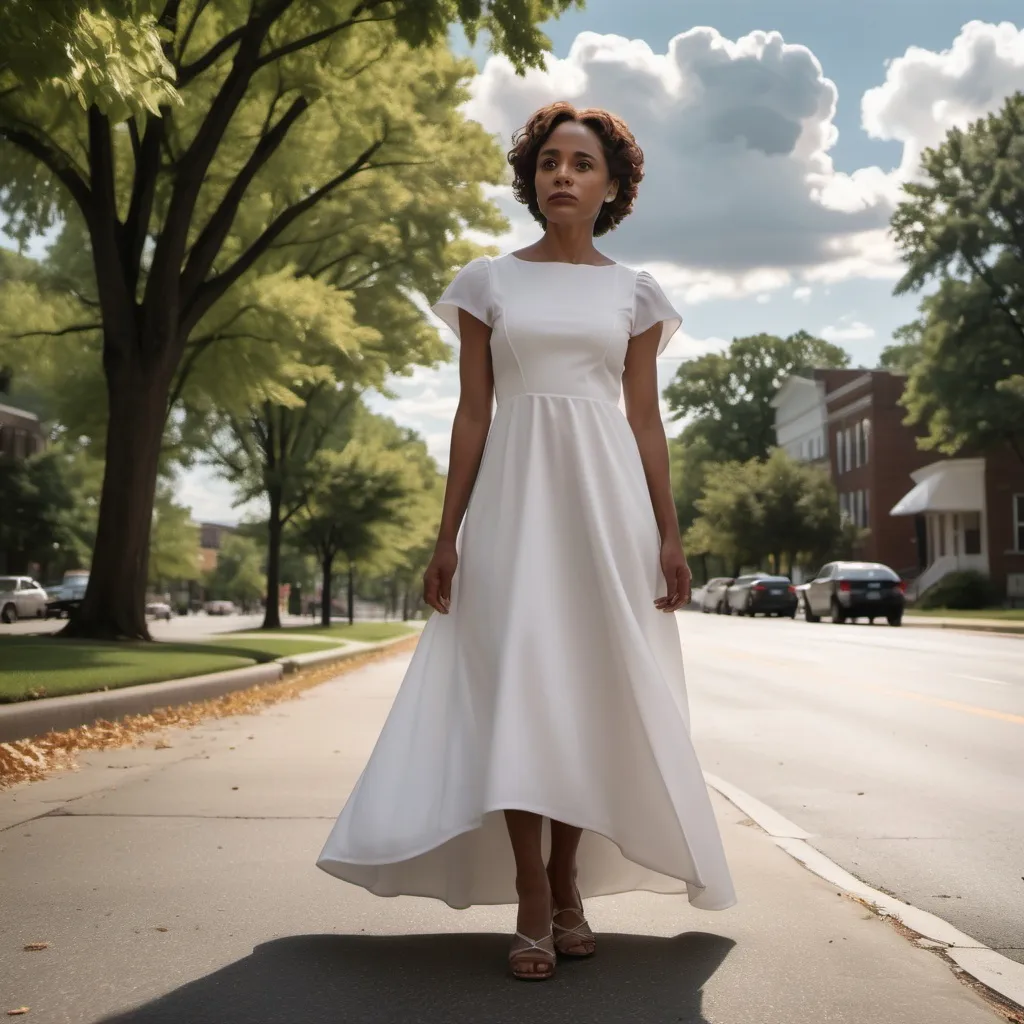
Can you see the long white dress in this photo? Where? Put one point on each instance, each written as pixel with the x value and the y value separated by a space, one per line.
pixel 553 685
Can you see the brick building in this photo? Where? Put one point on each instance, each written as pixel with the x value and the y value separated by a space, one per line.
pixel 927 514
pixel 21 433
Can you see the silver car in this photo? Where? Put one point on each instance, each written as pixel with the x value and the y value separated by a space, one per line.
pixel 21 598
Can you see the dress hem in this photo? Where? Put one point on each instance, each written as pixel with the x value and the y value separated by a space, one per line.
pixel 326 863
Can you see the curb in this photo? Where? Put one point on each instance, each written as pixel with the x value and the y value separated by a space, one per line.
pixel 27 719
pixel 1010 629
pixel 999 973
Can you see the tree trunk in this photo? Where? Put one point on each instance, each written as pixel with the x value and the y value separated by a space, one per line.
pixel 351 594
pixel 114 607
pixel 405 604
pixel 326 567
pixel 275 528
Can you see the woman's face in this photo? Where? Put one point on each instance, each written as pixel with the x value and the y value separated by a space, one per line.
pixel 572 179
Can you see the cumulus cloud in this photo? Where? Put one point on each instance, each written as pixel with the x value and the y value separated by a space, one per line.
pixel 927 93
pixel 736 136
pixel 847 330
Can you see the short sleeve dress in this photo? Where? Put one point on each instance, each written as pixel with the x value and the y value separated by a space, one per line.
pixel 554 684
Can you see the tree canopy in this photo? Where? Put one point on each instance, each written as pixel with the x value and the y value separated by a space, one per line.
pixel 213 150
pixel 961 230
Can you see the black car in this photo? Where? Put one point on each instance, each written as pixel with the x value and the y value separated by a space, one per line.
pixel 847 591
pixel 713 597
pixel 761 594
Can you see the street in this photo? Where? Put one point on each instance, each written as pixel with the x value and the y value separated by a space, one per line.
pixel 176 881
pixel 900 750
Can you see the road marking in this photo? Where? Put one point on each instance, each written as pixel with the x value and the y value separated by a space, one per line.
pixel 939 702
pixel 998 972
pixel 985 679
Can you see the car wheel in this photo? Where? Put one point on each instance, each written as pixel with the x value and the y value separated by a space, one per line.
pixel 871 620
pixel 792 614
pixel 895 620
pixel 9 615
pixel 838 615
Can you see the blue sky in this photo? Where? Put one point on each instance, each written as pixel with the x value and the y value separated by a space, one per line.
pixel 774 161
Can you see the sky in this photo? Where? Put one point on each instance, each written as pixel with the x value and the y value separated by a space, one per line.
pixel 777 136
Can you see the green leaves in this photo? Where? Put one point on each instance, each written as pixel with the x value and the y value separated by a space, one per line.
pixel 729 395
pixel 961 229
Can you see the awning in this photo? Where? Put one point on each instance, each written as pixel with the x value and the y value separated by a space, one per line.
pixel 957 485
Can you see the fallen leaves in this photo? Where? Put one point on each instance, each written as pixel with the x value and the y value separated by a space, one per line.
pixel 34 947
pixel 34 759
pixel 18 1012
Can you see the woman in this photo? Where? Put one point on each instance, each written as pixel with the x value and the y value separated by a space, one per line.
pixel 539 746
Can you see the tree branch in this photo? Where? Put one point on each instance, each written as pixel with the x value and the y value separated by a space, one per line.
pixel 209 292
pixel 147 170
pixel 56 161
pixel 76 329
pixel 186 36
pixel 318 37
pixel 209 243
pixel 188 73
pixel 998 297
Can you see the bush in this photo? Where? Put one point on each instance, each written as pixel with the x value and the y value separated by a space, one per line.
pixel 962 590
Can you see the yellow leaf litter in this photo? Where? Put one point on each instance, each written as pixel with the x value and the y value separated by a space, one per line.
pixel 33 759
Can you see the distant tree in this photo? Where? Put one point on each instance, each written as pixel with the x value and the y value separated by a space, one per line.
pixel 727 396
pixel 770 514
pixel 961 229
pixel 360 490
pixel 35 504
pixel 238 575
pixel 174 542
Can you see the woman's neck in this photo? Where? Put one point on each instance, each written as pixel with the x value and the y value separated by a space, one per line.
pixel 566 245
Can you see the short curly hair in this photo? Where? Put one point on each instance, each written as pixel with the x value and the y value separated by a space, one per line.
pixel 625 159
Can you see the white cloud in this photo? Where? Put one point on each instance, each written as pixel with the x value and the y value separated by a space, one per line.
pixel 736 135
pixel 803 293
pixel 927 93
pixel 850 330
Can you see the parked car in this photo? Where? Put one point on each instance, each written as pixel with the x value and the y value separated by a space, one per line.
pixel 21 598
pixel 67 597
pixel 712 598
pixel 158 610
pixel 848 591
pixel 761 594
pixel 220 608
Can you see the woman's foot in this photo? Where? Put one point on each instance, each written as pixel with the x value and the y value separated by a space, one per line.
pixel 532 956
pixel 572 934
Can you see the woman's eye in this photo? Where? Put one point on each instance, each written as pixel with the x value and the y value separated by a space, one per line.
pixel 583 165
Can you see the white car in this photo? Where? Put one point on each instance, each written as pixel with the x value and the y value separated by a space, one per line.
pixel 21 598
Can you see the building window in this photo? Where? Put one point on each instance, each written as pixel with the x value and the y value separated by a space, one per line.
pixel 839 451
pixel 848 445
pixel 1018 521
pixel 867 508
pixel 856 445
pixel 866 431
pixel 860 509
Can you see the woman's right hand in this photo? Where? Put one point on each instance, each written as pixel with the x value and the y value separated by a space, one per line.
pixel 437 580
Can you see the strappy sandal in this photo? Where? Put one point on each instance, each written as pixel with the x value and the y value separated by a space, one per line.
pixel 568 938
pixel 536 953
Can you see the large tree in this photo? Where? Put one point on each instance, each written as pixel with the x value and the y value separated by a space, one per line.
pixel 961 229
pixel 727 396
pixel 195 138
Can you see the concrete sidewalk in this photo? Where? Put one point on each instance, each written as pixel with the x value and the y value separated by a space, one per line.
pixel 178 885
pixel 1011 626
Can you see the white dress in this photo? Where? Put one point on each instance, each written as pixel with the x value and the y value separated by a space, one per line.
pixel 553 685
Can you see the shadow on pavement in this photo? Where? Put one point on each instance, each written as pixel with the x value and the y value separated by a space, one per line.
pixel 372 979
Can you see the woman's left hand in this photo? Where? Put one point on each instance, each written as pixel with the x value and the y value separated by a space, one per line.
pixel 677 577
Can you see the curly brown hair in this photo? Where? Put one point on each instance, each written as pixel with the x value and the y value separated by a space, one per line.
pixel 625 159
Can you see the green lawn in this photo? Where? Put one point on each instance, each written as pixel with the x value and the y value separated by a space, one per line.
pixel 1006 614
pixel 48 667
pixel 367 632
pixel 274 646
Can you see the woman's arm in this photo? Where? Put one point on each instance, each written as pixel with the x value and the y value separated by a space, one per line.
pixel 471 424
pixel 640 390
pixel 469 432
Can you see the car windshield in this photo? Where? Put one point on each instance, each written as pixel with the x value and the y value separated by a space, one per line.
pixel 868 572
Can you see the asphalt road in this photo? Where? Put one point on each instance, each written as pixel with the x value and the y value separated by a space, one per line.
pixel 900 750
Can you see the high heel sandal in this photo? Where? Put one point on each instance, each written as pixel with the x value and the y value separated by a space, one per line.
pixel 538 953
pixel 570 937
